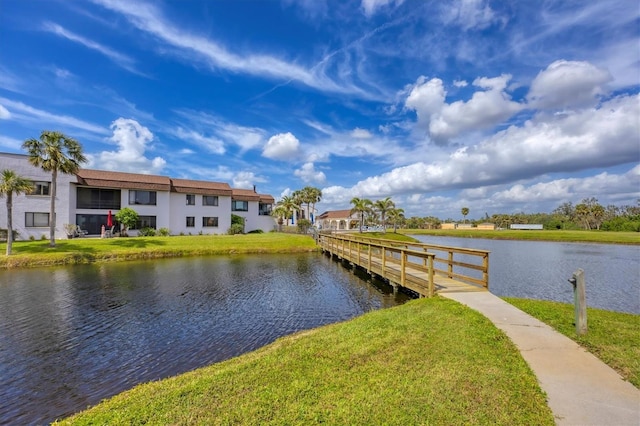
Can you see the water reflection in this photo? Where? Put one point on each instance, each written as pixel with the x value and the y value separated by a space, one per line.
pixel 70 337
pixel 540 270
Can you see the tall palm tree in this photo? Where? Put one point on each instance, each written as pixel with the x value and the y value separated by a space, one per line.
pixel 55 153
pixel 314 196
pixel 395 215
pixel 465 212
pixel 11 183
pixel 361 206
pixel 298 198
pixel 382 207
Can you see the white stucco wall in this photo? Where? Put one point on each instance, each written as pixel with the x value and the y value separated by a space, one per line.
pixel 180 210
pixel 36 203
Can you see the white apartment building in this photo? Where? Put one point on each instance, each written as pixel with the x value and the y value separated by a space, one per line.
pixel 181 205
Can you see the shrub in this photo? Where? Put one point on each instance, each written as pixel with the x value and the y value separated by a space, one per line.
pixel 304 225
pixel 235 228
pixel 147 232
pixel 256 231
pixel 164 232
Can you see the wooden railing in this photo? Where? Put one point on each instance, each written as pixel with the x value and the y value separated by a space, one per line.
pixel 413 265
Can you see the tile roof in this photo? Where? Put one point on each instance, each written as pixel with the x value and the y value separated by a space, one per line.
pixel 200 187
pixel 109 179
pixel 245 195
pixel 335 214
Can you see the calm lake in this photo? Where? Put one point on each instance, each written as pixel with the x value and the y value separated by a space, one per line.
pixel 72 336
pixel 540 270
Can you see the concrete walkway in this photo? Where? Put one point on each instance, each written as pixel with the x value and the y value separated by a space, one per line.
pixel 581 389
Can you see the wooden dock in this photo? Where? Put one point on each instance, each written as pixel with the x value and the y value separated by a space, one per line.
pixel 423 268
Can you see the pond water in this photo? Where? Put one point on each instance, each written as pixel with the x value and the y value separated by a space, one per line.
pixel 72 336
pixel 540 270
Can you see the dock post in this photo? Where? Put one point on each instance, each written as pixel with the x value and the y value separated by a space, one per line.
pixel 580 302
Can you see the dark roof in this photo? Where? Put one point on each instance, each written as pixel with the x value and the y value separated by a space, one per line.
pixel 245 195
pixel 200 187
pixel 109 179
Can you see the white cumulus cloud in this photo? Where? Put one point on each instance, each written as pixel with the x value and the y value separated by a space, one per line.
pixel 486 108
pixel 133 140
pixel 283 146
pixel 566 84
pixel 309 174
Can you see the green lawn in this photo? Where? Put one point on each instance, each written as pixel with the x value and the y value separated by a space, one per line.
pixel 430 361
pixel 542 235
pixel 89 250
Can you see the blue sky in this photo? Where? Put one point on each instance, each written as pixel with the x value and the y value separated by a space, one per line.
pixel 498 106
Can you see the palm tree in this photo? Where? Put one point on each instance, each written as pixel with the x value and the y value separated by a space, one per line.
pixel 382 207
pixel 298 198
pixel 465 212
pixel 288 205
pixel 395 215
pixel 314 196
pixel 361 206
pixel 281 213
pixel 55 153
pixel 11 183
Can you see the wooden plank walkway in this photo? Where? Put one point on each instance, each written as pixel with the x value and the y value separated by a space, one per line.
pixel 410 265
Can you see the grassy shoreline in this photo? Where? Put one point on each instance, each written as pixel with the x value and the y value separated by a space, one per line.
pixel 94 250
pixel 602 237
pixel 430 361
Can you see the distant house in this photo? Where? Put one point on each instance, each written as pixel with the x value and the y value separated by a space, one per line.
pixel 487 226
pixel 338 220
pixel 448 225
pixel 85 199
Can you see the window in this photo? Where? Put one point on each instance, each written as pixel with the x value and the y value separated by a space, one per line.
pixel 95 198
pixel 191 221
pixel 209 200
pixel 210 222
pixel 35 220
pixel 264 209
pixel 191 199
pixel 145 222
pixel 147 198
pixel 239 206
pixel 40 188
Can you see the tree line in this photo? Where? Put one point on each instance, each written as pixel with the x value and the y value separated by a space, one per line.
pixel 588 214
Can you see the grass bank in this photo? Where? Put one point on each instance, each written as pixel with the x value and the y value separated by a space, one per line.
pixel 614 337
pixel 430 361
pixel 541 235
pixel 90 250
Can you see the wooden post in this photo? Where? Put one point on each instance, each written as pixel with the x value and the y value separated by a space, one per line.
pixel 580 301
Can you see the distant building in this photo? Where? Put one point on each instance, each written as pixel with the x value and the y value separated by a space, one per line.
pixel 85 199
pixel 338 220
pixel 449 225
pixel 526 226
pixel 486 226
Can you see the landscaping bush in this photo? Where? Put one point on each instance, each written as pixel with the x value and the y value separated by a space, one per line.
pixel 164 232
pixel 147 232
pixel 236 228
